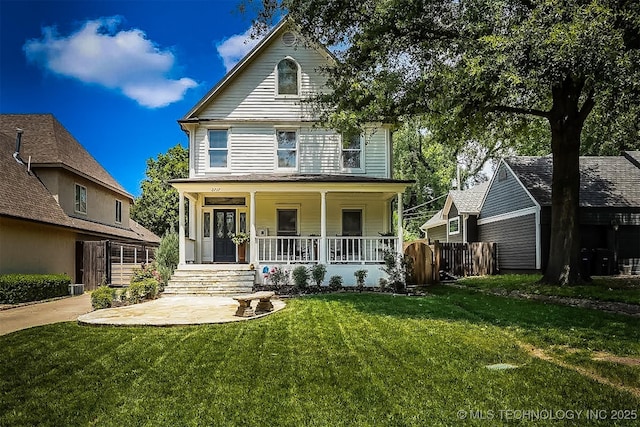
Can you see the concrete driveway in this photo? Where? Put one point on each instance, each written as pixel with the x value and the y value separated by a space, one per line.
pixel 62 310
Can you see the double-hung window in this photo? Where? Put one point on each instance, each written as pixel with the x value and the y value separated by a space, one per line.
pixel 118 211
pixel 218 149
pixel 352 152
pixel 80 199
pixel 454 225
pixel 287 141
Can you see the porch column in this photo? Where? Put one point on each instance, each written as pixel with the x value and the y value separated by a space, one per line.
pixel 181 233
pixel 198 237
pixel 253 252
pixel 400 230
pixel 323 228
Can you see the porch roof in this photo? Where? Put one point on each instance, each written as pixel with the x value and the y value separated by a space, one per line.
pixel 300 182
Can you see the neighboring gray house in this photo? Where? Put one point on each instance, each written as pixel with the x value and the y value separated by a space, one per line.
pixel 516 212
pixel 456 222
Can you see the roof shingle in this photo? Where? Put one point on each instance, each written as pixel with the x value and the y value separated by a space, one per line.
pixel 605 181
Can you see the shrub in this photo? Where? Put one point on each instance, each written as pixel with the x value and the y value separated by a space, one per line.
pixel 360 276
pixel 398 267
pixel 103 297
pixel 143 289
pixel 335 283
pixel 300 276
pixel 278 276
pixel 16 288
pixel 383 284
pixel 167 256
pixel 318 272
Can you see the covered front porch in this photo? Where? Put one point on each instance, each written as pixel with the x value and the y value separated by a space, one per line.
pixel 342 222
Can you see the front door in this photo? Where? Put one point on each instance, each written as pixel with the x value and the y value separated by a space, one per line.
pixel 224 227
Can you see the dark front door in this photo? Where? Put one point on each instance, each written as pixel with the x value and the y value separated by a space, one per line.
pixel 224 226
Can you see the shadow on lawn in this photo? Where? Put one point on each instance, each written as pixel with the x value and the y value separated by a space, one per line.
pixel 445 303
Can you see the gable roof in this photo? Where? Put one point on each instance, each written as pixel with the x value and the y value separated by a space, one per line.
pixel 24 196
pixel 50 144
pixel 436 220
pixel 605 181
pixel 468 201
pixel 285 24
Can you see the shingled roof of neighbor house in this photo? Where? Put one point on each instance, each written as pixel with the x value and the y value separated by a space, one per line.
pixel 470 200
pixel 50 144
pixel 24 196
pixel 605 181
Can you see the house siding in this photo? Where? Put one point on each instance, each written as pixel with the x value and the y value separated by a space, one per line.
pixel 505 195
pixel 438 233
pixel 251 95
pixel 516 240
pixel 31 248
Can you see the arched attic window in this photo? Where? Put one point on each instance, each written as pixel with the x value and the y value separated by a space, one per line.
pixel 288 81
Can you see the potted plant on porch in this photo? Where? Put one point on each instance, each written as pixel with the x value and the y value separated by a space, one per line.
pixel 240 239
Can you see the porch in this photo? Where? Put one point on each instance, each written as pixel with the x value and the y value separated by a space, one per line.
pixel 344 222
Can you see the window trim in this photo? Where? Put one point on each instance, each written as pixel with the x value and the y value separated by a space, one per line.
pixel 451 221
pixel 77 197
pixel 118 211
pixel 298 78
pixel 209 149
pixel 361 169
pixel 297 149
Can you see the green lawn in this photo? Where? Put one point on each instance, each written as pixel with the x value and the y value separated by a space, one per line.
pixel 338 359
pixel 620 289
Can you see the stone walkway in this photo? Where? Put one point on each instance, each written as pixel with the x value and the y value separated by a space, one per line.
pixel 173 310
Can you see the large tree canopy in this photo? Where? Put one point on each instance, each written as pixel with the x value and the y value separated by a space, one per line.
pixel 157 207
pixel 475 66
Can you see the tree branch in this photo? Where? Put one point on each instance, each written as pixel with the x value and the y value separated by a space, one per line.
pixel 518 110
pixel 588 105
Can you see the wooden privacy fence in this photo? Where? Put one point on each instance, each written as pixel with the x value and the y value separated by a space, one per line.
pixel 430 262
pixel 125 258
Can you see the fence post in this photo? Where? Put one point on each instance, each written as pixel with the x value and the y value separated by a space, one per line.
pixel 437 256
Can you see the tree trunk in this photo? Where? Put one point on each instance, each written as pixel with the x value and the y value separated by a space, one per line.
pixel 566 122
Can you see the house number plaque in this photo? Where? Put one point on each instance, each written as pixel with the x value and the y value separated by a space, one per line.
pixel 216 189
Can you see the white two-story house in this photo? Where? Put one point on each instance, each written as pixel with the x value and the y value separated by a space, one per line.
pixel 260 164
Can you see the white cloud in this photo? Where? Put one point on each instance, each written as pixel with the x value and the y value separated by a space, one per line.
pixel 124 60
pixel 234 48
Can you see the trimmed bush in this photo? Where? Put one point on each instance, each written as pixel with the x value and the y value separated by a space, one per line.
pixel 361 275
pixel 143 289
pixel 335 283
pixel 318 272
pixel 17 288
pixel 103 297
pixel 300 276
pixel 167 256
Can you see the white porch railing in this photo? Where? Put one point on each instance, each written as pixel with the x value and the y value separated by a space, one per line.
pixel 340 250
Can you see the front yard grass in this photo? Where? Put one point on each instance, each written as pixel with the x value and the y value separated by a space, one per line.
pixel 337 359
pixel 612 289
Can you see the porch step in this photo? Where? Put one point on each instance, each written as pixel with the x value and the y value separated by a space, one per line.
pixel 210 282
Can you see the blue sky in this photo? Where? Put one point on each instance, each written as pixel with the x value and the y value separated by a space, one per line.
pixel 117 74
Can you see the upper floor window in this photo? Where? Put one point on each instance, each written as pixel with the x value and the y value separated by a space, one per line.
pixel 218 148
pixel 118 211
pixel 287 77
pixel 351 151
pixel 81 199
pixel 287 149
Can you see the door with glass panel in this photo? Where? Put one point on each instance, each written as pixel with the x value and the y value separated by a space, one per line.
pixel 224 227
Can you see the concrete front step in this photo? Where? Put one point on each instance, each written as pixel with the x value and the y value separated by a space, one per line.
pixel 210 282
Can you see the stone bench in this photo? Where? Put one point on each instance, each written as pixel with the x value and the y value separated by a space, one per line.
pixel 264 305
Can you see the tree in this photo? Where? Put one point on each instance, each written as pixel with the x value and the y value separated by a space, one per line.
pixel 474 64
pixel 157 207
